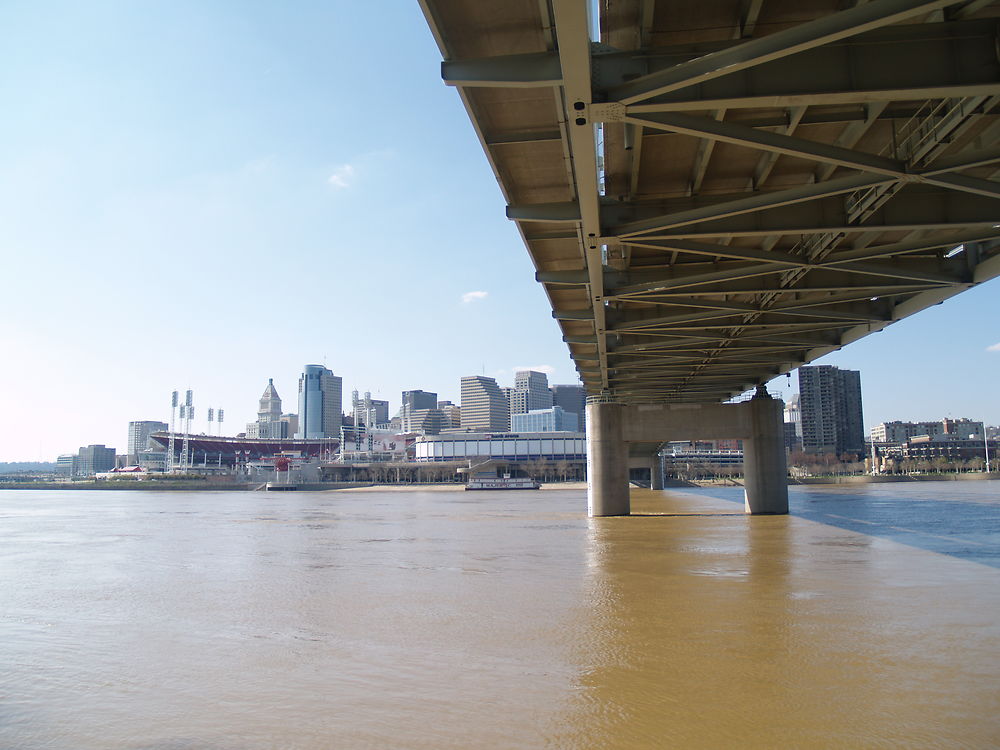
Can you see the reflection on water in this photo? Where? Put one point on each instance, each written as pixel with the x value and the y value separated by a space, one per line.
pixel 439 619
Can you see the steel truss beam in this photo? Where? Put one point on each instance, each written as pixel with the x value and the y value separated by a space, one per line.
pixel 659 304
pixel 913 208
pixel 741 135
pixel 839 278
pixel 905 63
pixel 822 31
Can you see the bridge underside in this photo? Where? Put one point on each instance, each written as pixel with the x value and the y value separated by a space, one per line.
pixel 719 191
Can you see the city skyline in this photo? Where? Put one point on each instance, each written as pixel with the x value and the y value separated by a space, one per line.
pixel 148 191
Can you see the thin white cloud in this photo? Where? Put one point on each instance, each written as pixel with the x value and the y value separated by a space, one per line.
pixel 474 296
pixel 994 348
pixel 342 176
pixel 547 369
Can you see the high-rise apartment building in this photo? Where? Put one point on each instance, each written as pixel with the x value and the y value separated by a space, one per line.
pixel 484 406
pixel 320 403
pixel 138 438
pixel 831 412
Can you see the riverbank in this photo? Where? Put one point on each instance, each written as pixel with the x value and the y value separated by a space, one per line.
pixel 166 485
pixel 890 478
pixel 157 485
pixel 846 479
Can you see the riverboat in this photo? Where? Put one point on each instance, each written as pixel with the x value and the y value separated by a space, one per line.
pixel 505 482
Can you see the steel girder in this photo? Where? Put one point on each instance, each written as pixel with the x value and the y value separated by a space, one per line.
pixel 776 195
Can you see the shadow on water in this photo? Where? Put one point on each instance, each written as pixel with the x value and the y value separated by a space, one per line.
pixel 962 521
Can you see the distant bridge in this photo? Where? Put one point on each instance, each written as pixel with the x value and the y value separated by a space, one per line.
pixel 715 193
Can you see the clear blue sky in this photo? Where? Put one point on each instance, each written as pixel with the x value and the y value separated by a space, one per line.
pixel 209 194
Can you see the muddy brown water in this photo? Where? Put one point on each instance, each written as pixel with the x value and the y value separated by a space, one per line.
pixel 225 621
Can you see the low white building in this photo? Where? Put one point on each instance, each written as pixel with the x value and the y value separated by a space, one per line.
pixel 519 446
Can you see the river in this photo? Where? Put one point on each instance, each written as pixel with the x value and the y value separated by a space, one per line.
pixel 870 617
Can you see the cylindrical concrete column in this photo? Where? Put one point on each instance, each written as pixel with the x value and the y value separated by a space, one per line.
pixel 655 473
pixel 607 461
pixel 765 479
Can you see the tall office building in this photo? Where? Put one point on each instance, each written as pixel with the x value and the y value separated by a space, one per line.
pixel 413 412
pixel 831 413
pixel 572 399
pixel 67 465
pixel 425 421
pixel 269 409
pixel 292 422
pixel 94 459
pixel 369 411
pixel 484 406
pixel 320 403
pixel 420 399
pixel 535 387
pixel 269 423
pixel 517 401
pixel 138 438
pixel 452 413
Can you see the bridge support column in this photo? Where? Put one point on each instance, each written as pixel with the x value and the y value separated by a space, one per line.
pixel 607 461
pixel 655 473
pixel 764 468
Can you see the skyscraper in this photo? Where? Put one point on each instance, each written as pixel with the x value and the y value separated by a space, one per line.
pixel 484 406
pixel 320 403
pixel 269 423
pixel 369 411
pixel 413 413
pixel 831 412
pixel 419 399
pixel 573 400
pixel 535 387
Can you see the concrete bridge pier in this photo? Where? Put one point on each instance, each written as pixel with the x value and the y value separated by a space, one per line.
pixel 607 461
pixel 615 430
pixel 765 483
pixel 655 472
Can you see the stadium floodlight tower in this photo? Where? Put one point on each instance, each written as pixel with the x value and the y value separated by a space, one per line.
pixel 181 412
pixel 170 442
pixel 188 413
pixel 211 418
